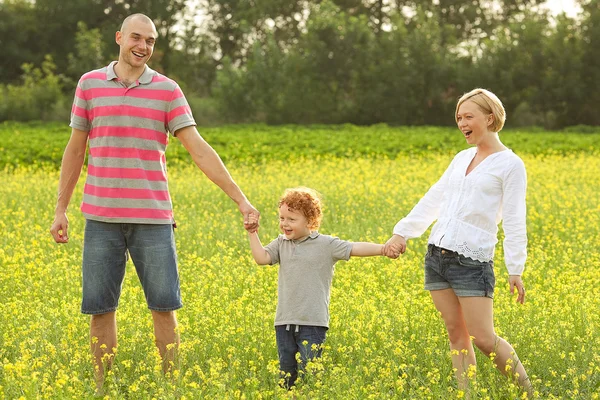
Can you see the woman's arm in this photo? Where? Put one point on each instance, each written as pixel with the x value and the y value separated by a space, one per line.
pixel 514 214
pixel 427 209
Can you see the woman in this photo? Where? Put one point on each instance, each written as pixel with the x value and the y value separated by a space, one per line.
pixel 483 185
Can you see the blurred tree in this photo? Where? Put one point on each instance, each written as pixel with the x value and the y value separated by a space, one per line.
pixel 18 36
pixel 29 30
pixel 590 71
pixel 562 91
pixel 89 52
pixel 236 24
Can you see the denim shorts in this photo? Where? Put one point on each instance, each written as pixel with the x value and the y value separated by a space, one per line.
pixel 445 269
pixel 290 340
pixel 152 250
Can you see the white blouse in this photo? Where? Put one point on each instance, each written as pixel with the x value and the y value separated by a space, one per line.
pixel 468 209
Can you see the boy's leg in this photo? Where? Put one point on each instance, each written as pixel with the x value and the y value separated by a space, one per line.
pixel 310 341
pixel 287 349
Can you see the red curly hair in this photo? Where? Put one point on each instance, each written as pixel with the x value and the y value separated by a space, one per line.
pixel 304 200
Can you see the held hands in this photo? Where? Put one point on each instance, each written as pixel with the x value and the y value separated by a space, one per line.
pixel 59 229
pixel 395 246
pixel 251 220
pixel 516 282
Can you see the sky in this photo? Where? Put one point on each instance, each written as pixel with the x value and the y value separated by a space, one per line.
pixel 556 7
pixel 568 6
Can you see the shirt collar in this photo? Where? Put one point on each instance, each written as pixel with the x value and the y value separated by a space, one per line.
pixel 312 235
pixel 144 79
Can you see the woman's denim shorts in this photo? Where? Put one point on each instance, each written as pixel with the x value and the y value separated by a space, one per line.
pixel 446 269
pixel 105 251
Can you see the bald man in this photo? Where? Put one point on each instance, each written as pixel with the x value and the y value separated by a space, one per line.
pixel 125 112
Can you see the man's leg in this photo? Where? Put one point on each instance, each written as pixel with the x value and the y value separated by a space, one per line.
pixel 167 338
pixel 103 343
pixel 103 270
pixel 152 249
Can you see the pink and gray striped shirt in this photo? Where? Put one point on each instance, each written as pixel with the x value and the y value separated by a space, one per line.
pixel 128 130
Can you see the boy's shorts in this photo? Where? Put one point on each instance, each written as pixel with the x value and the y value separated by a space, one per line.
pixel 445 269
pixel 152 250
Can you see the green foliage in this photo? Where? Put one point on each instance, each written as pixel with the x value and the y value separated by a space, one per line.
pixel 333 61
pixel 17 39
pixel 341 71
pixel 590 62
pixel 89 52
pixel 39 97
pixel 43 144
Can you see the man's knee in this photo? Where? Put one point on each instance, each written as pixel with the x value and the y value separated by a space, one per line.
pixel 164 320
pixel 102 321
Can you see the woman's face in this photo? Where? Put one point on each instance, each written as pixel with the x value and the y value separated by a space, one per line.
pixel 473 122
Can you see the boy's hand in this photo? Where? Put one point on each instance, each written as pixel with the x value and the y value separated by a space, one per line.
pixel 251 222
pixel 395 246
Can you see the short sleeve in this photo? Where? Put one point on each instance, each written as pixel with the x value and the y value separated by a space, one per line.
pixel 179 114
pixel 80 116
pixel 273 250
pixel 340 249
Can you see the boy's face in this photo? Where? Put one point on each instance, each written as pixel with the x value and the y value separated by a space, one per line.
pixel 293 224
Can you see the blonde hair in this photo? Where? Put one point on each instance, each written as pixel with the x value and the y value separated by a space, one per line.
pixel 487 102
pixel 304 200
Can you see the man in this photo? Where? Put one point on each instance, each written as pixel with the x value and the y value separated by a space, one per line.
pixel 125 111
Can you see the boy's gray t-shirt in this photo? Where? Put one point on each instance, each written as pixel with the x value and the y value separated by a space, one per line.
pixel 305 274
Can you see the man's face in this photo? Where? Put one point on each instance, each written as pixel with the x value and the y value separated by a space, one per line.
pixel 136 42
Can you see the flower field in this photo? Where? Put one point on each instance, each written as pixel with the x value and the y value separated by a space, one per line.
pixel 385 341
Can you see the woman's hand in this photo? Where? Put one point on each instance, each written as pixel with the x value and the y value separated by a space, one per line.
pixel 515 281
pixel 395 246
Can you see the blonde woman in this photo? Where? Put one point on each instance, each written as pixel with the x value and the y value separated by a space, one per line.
pixel 482 186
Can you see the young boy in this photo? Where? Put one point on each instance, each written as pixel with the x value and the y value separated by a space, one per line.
pixel 306 262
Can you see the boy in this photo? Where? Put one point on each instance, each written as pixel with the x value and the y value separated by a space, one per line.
pixel 306 263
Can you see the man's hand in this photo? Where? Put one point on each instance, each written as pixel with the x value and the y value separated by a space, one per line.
pixel 60 228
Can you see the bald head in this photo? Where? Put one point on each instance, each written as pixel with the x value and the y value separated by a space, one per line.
pixel 136 18
pixel 136 41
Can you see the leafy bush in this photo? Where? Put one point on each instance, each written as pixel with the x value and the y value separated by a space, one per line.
pixel 39 143
pixel 40 96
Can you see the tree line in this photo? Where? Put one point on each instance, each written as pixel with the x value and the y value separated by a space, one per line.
pixel 401 62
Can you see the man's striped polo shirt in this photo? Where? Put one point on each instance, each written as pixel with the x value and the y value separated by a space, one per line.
pixel 128 131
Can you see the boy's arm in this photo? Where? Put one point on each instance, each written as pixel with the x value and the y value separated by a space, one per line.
pixel 261 256
pixel 365 249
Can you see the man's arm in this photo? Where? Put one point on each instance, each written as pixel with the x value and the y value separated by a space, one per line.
pixel 70 170
pixel 207 159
